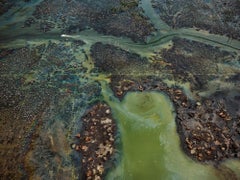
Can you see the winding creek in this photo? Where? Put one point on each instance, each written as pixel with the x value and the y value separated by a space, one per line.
pixel 151 145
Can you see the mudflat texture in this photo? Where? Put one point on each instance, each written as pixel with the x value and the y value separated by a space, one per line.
pixel 66 67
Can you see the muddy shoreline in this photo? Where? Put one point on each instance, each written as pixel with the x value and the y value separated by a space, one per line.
pixel 208 132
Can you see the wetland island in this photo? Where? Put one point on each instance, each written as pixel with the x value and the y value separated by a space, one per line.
pixel 119 89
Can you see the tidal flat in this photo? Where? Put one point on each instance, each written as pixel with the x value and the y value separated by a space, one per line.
pixel 125 89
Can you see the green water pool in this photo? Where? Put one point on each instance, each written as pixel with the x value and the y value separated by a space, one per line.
pixel 151 145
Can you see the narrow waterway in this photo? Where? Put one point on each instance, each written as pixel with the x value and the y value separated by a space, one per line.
pixel 149 12
pixel 150 143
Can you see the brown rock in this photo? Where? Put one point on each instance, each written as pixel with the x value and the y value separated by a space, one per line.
pixel 193 151
pixel 73 146
pixel 78 135
pixel 89 173
pixel 84 148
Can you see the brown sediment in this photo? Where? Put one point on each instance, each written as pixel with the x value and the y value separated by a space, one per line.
pixel 201 15
pixel 28 105
pixel 19 128
pixel 112 59
pixel 117 18
pixel 208 132
pixel 96 141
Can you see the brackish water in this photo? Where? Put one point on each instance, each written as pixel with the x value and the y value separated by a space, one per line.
pixel 151 145
pixel 65 73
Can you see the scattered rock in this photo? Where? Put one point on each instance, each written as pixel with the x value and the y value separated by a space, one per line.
pixel 96 141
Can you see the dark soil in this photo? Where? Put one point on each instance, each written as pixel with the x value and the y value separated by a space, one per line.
pixel 118 18
pixel 111 59
pixel 96 141
pixel 217 16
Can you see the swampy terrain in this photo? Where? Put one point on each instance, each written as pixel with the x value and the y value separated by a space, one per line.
pixel 123 89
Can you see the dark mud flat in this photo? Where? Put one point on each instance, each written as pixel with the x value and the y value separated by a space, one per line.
pixel 111 59
pixel 218 17
pixel 118 18
pixel 32 90
pixel 21 110
pixel 96 142
pixel 197 63
pixel 60 59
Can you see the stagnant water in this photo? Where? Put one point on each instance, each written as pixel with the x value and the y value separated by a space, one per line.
pixel 151 145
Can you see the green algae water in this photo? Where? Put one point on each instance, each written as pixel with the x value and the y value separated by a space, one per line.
pixel 49 79
pixel 151 146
